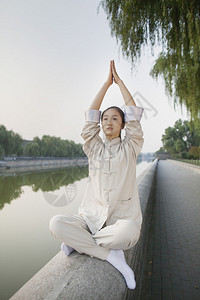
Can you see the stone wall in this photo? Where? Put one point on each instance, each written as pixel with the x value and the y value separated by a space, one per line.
pixel 37 164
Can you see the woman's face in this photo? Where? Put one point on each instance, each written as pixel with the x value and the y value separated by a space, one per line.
pixel 112 123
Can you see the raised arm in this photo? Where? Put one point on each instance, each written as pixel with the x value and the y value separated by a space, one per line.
pixel 128 99
pixel 96 103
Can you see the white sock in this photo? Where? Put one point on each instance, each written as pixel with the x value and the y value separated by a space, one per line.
pixel 66 249
pixel 117 259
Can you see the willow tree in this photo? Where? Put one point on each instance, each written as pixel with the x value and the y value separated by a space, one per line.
pixel 174 24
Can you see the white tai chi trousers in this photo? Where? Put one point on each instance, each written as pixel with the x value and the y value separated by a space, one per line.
pixel 74 232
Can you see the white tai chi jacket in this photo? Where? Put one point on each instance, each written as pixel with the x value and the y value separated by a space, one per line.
pixel 111 193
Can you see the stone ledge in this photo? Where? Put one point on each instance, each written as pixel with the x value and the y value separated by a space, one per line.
pixel 24 166
pixel 80 277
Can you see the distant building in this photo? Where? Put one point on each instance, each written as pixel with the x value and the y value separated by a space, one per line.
pixel 25 142
pixel 163 155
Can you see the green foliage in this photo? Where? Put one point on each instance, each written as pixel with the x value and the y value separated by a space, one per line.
pixel 174 24
pixel 32 149
pixel 10 142
pixel 195 152
pixel 178 140
pixel 160 150
pixel 1 152
pixel 52 146
pixel 181 75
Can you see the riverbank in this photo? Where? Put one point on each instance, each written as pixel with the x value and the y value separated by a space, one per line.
pixel 24 165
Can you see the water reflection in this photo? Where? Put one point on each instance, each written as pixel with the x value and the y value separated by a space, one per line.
pixel 26 243
pixel 11 186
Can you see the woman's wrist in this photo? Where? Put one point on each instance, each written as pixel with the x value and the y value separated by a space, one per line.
pixel 107 84
pixel 119 82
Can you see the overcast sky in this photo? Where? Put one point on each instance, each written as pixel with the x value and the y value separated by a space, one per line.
pixel 54 57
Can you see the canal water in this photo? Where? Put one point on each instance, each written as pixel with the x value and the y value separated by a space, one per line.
pixel 27 202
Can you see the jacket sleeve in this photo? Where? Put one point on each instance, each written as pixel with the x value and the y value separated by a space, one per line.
pixel 134 133
pixel 90 132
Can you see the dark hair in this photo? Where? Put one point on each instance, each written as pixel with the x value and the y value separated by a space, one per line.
pixel 119 111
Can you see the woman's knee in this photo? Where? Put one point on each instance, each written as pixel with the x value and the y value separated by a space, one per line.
pixel 124 234
pixel 128 233
pixel 54 224
pixel 132 238
pixel 132 241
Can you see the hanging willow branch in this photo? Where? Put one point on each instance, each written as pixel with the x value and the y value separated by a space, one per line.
pixel 174 24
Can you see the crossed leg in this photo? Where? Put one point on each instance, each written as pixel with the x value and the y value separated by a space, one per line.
pixel 106 244
pixel 73 231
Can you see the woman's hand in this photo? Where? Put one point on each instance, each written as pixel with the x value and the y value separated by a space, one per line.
pixel 114 73
pixel 96 103
pixel 110 75
pixel 128 99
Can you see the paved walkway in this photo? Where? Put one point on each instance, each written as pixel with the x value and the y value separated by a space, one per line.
pixel 176 242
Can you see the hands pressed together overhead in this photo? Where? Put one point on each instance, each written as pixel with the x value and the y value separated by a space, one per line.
pixel 112 74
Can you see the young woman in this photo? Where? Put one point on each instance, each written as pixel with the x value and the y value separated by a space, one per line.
pixel 109 217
